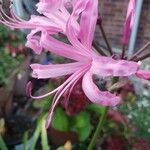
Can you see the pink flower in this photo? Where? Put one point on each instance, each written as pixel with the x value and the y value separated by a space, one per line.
pixel 79 29
pixel 88 62
pixel 129 21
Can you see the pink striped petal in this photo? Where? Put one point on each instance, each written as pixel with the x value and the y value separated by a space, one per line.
pixel 62 49
pixel 104 98
pixel 56 12
pixel 145 74
pixel 106 66
pixel 88 23
pixel 55 70
pixel 48 5
pixel 79 7
pixel 129 21
pixel 45 23
pixel 68 84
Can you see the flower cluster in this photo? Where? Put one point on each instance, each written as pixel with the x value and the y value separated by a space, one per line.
pixel 76 19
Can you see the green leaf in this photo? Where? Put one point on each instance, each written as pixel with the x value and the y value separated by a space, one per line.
pixel 45 103
pixel 96 108
pixel 44 138
pixel 36 136
pixel 40 130
pixel 61 148
pixel 60 120
pixel 82 120
pixel 84 133
pixel 82 125
pixel 2 144
pixel 25 140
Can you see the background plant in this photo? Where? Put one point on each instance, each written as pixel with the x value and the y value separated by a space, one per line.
pixel 11 55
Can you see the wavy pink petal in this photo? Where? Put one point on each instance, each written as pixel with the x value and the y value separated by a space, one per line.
pixel 88 23
pixel 29 88
pixel 34 22
pixel 33 42
pixel 55 70
pixel 145 74
pixel 107 66
pixel 62 49
pixel 72 79
pixel 104 98
pixel 45 23
pixel 129 21
pixel 56 12
pixel 79 7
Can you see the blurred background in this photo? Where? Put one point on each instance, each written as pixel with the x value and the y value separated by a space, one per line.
pixel 22 120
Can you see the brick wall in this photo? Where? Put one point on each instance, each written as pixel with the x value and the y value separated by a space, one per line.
pixel 113 14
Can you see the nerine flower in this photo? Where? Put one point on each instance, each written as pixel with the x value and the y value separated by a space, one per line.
pixel 79 29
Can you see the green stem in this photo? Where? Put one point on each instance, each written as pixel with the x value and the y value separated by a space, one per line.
pixel 98 129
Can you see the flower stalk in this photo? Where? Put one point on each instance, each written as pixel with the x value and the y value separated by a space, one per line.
pixel 98 49
pixel 139 52
pixel 99 128
pixel 105 38
pixel 142 57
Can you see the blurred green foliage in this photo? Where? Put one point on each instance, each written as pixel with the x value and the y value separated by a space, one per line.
pixel 138 113
pixel 10 36
pixel 8 64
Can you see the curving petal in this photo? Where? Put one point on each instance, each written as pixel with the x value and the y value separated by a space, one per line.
pixel 72 79
pixel 88 23
pixel 33 41
pixel 55 70
pixel 45 23
pixel 79 7
pixel 129 21
pixel 145 74
pixel 62 49
pixel 33 23
pixel 106 66
pixel 104 98
pixel 56 12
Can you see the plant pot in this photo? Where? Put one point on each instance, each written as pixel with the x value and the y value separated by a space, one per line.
pixel 16 126
pixel 6 95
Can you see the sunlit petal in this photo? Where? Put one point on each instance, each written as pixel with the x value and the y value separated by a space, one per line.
pixel 54 70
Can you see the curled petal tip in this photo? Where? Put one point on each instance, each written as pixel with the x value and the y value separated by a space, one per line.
pixel 103 98
pixel 29 89
pixel 34 44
